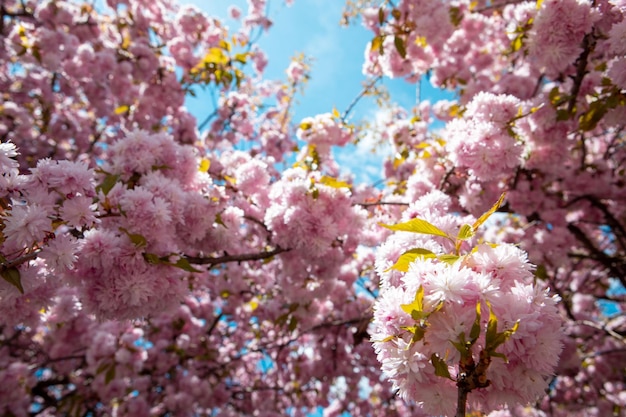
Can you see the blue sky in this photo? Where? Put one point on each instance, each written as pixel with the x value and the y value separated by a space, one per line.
pixel 312 27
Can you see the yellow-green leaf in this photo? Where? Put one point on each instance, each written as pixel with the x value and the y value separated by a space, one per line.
pixel 215 56
pixel 377 44
pixel 334 183
pixel 108 183
pixel 241 57
pixel 475 332
pixel 448 258
pixel 590 119
pixel 184 264
pixel 441 368
pixel 122 109
pixel 416 308
pixel 465 232
pixel 482 219
pixel 137 239
pixel 416 226
pixel 403 262
pixel 386 339
pixel 205 164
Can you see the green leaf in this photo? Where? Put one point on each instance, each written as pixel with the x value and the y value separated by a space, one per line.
pixel 241 57
pixel 218 220
pixel 110 375
pixel 562 115
pixel 475 332
pixel 499 355
pixel 541 272
pixel 441 368
pixel 215 56
pixel 448 258
pixel 124 108
pixel 455 15
pixel 108 183
pixel 416 226
pixel 417 331
pixel 293 324
pixel 184 264
pixel 381 15
pixel 137 239
pixel 13 277
pixel 492 329
pixel 482 219
pixel 466 232
pixel 416 308
pixel 377 44
pixel 589 120
pixel 399 43
pixel 517 43
pixel 385 339
pixel 462 346
pixel 152 258
pixel 403 262
pixel 334 183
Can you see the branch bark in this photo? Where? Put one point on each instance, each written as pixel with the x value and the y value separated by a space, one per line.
pixel 197 260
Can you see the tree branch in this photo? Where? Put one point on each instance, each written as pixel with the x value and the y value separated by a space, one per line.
pixel 197 260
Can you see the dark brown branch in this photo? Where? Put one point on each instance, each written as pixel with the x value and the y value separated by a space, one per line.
pixel 617 269
pixel 382 203
pixel 197 260
pixel 581 70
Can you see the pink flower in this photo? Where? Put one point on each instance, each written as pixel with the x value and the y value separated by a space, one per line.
pixel 26 225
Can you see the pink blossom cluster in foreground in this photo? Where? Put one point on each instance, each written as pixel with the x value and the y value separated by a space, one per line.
pixel 426 316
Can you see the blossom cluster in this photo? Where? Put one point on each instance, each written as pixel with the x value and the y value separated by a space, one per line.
pixel 444 320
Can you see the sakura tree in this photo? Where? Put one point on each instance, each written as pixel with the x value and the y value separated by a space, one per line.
pixel 158 265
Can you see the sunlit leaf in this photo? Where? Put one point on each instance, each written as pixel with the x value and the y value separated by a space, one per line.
pixel 123 109
pixel 215 56
pixel 403 262
pixel 416 226
pixel 492 328
pixel 475 332
pixel 384 340
pixel 590 119
pixel 205 164
pixel 448 258
pixel 416 308
pixel 466 232
pixel 377 44
pixel 334 183
pixel 482 219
